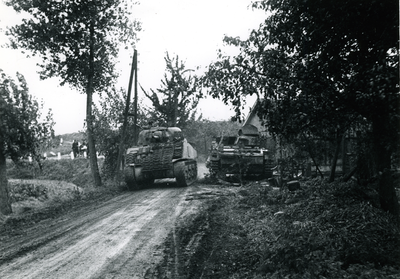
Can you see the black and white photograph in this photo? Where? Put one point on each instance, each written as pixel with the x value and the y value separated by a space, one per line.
pixel 172 139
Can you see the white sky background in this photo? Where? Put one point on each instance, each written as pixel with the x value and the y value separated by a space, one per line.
pixel 191 29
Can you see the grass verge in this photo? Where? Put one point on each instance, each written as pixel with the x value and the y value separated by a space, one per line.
pixel 37 194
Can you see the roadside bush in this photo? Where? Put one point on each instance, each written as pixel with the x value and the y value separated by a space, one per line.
pixel 22 169
pixel 321 231
pixel 325 228
pixel 24 191
pixel 76 171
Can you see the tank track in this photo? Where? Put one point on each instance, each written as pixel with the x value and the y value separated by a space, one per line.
pixel 185 172
pixel 214 168
pixel 268 168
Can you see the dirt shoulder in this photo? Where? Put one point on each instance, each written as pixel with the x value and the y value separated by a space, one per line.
pixel 257 231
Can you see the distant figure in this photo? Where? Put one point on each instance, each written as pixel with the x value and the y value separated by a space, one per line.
pixel 61 141
pixel 83 149
pixel 75 148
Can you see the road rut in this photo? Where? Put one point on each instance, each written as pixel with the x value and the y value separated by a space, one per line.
pixel 120 238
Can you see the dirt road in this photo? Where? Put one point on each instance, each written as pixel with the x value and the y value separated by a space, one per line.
pixel 120 238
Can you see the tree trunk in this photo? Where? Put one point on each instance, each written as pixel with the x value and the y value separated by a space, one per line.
pixel 335 158
pixel 5 204
pixel 175 118
pixel 92 147
pixel 311 153
pixel 347 176
pixel 89 117
pixel 387 192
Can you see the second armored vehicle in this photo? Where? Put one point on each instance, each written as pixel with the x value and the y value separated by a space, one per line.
pixel 241 155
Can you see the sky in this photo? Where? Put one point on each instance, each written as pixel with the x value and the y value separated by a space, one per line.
pixel 191 29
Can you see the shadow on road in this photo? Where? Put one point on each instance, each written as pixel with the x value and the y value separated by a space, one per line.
pixel 164 183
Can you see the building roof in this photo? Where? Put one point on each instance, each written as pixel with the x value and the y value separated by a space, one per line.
pixel 253 119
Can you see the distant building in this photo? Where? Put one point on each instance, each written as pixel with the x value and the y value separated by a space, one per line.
pixel 253 119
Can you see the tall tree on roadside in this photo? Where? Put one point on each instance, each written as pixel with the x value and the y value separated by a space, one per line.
pixel 21 129
pixel 179 95
pixel 321 66
pixel 78 42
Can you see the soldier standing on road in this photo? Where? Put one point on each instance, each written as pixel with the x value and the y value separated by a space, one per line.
pixel 75 148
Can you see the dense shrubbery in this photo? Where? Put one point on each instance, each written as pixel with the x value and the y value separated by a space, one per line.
pixel 46 192
pixel 24 191
pixel 321 231
pixel 76 171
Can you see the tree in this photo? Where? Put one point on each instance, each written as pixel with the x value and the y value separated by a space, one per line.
pixel 201 132
pixel 179 95
pixel 21 133
pixel 322 66
pixel 78 42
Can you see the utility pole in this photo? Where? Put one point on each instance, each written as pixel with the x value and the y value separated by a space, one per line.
pixel 135 103
pixel 126 113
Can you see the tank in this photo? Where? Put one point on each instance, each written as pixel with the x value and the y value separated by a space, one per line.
pixel 161 152
pixel 242 155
